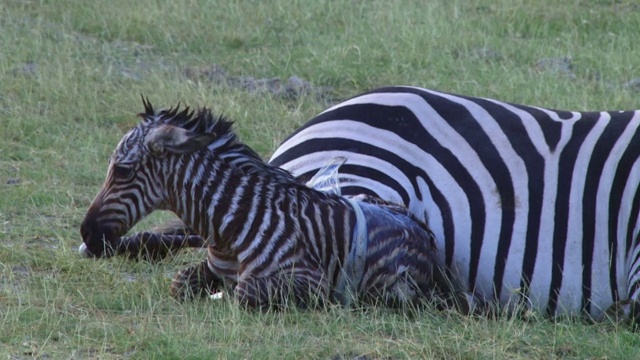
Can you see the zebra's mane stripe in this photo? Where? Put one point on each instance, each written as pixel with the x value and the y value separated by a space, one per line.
pixel 201 121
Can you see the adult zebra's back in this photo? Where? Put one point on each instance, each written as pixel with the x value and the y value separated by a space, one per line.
pixel 527 204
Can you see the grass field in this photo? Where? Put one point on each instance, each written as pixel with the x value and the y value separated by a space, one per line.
pixel 71 75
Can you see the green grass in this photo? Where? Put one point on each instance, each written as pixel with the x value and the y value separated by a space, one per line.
pixel 71 75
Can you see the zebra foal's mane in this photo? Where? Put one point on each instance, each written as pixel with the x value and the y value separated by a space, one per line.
pixel 201 121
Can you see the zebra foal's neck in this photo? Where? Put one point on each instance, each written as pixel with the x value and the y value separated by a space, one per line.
pixel 248 208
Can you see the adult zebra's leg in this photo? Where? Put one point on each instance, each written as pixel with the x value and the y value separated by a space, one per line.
pixel 301 287
pixel 195 281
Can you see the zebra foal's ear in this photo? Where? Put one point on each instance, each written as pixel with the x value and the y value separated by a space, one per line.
pixel 165 138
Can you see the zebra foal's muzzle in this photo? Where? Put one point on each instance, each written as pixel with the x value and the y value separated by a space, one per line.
pixel 98 240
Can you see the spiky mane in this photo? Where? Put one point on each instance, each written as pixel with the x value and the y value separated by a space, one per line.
pixel 202 121
pixel 197 121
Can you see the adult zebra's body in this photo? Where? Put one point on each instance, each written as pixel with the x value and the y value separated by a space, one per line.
pixel 528 205
pixel 269 236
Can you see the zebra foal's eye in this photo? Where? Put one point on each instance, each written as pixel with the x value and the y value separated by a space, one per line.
pixel 122 172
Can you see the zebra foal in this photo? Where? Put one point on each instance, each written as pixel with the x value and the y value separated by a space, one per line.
pixel 269 237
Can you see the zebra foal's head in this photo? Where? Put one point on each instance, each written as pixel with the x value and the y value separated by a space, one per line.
pixel 139 168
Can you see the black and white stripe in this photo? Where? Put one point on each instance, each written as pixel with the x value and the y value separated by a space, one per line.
pixel 270 238
pixel 528 205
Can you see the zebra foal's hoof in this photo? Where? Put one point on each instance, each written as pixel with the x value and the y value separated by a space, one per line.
pixel 186 285
pixel 194 282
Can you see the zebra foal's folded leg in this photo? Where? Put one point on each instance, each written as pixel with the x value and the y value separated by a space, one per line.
pixel 159 242
pixel 155 246
pixel 303 288
pixel 195 281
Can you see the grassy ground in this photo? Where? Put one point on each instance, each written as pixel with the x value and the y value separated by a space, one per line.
pixel 72 71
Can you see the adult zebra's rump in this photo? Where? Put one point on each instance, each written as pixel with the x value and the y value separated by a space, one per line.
pixel 270 238
pixel 528 205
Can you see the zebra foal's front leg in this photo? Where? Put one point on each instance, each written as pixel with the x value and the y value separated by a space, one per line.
pixel 152 246
pixel 302 288
pixel 195 281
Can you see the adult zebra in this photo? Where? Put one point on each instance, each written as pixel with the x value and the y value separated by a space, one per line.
pixel 529 205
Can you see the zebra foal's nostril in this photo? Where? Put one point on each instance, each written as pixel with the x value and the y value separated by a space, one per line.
pixel 97 239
